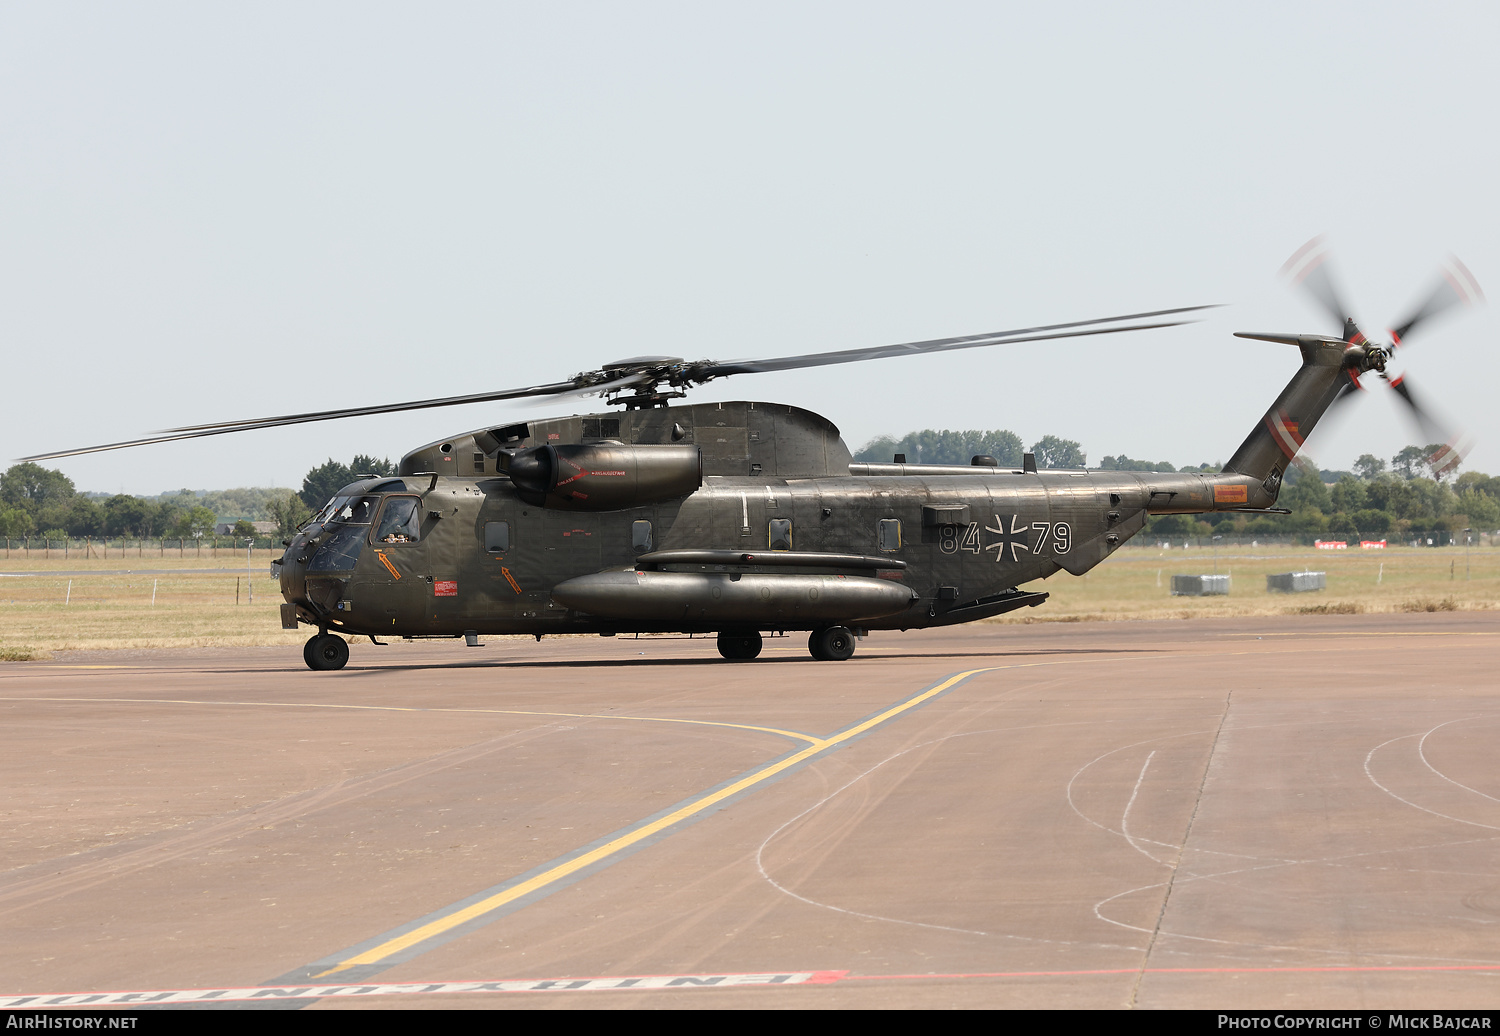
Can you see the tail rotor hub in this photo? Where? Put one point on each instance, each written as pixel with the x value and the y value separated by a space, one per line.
pixel 1367 357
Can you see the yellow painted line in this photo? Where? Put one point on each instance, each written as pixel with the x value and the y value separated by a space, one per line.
pixel 469 913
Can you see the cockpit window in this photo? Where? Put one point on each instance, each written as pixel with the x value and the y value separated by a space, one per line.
pixel 329 510
pixel 400 522
pixel 356 510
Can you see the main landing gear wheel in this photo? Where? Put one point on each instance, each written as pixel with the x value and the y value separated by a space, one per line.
pixel 833 644
pixel 739 644
pixel 325 651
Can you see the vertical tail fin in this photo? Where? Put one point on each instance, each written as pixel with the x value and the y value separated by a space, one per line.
pixel 1274 442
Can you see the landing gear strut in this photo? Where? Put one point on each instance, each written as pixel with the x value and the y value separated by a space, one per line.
pixel 325 651
pixel 833 644
pixel 739 644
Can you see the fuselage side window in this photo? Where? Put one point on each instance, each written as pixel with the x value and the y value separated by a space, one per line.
pixel 497 537
pixel 640 536
pixel 888 533
pixel 781 534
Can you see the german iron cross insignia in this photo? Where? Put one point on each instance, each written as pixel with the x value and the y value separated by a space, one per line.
pixel 1015 538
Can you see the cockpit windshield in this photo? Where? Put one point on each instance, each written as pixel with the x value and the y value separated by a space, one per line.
pixel 347 520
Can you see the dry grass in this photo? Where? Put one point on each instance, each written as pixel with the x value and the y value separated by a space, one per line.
pixel 1136 584
pixel 23 654
pixel 1333 608
pixel 44 612
pixel 1427 604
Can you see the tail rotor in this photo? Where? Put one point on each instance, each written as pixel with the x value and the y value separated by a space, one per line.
pixel 1310 269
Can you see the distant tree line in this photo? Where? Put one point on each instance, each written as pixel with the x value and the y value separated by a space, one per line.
pixel 1414 494
pixel 930 446
pixel 1413 497
pixel 38 501
pixel 945 447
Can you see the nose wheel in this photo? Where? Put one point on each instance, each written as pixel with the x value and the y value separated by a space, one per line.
pixel 325 651
pixel 833 644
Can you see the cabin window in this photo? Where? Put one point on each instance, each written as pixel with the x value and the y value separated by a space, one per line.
pixel 888 533
pixel 640 536
pixel 601 428
pixel 781 534
pixel 401 521
pixel 496 537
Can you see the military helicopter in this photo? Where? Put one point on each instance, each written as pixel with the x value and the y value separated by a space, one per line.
pixel 740 518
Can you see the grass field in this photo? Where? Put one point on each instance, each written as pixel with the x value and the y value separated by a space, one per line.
pixel 1136 583
pixel 76 602
pixel 93 603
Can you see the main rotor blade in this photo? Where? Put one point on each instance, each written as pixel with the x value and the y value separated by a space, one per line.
pixel 936 345
pixel 225 427
pixel 1308 267
pixel 1455 287
pixel 596 382
pixel 384 408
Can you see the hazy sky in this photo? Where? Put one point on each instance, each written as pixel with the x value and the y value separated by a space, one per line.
pixel 213 211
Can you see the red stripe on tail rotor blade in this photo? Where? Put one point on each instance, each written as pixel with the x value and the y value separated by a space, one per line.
pixel 1295 261
pixel 1462 281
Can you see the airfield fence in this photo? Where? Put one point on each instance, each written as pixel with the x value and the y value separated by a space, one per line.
pixel 23 593
pixel 1438 538
pixel 123 547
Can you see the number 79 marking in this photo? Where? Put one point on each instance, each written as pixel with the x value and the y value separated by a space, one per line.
pixel 1062 537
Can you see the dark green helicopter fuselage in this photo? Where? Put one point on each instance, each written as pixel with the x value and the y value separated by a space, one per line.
pixel 731 517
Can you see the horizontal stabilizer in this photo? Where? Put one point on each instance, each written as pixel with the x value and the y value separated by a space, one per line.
pixel 1263 336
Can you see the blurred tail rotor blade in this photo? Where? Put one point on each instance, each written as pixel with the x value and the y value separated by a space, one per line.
pixel 1447 457
pixel 1455 287
pixel 1308 267
pixel 1348 386
pixel 1448 447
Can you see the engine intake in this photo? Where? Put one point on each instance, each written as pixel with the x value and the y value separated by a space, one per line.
pixel 604 476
